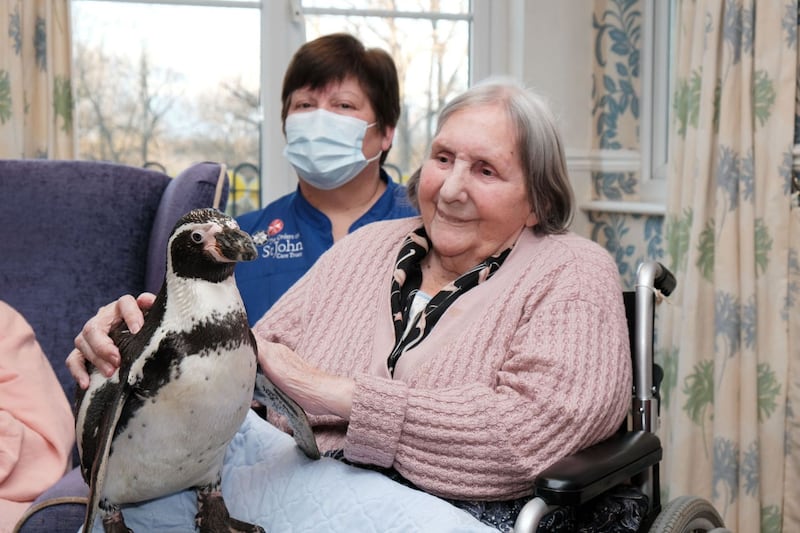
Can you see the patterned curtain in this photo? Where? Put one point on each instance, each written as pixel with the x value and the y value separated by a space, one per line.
pixel 35 80
pixel 729 340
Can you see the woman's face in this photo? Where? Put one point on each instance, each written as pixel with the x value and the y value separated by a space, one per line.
pixel 472 192
pixel 345 98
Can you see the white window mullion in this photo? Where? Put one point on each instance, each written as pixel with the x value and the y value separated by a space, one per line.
pixel 282 32
pixel 654 99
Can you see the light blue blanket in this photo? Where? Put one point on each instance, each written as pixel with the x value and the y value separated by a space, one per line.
pixel 267 480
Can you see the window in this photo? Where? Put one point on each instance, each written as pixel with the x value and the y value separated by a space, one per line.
pixel 163 86
pixel 165 83
pixel 657 60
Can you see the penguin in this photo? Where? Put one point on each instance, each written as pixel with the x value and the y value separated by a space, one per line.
pixel 163 421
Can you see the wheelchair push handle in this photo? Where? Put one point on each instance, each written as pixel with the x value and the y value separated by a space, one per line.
pixel 655 275
pixel 664 280
pixel 650 277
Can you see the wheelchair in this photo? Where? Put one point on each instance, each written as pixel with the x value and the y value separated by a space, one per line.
pixel 630 457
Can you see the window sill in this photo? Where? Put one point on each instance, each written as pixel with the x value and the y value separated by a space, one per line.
pixel 627 208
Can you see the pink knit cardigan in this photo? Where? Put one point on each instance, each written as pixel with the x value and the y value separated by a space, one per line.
pixel 524 369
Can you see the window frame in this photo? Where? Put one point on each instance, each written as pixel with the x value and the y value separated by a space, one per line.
pixel 656 91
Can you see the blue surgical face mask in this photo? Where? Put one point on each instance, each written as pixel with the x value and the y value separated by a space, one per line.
pixel 325 148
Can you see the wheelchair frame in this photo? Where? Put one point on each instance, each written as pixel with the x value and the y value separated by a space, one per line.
pixel 631 456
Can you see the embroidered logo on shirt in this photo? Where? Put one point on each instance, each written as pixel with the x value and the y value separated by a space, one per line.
pixel 275 227
pixel 278 246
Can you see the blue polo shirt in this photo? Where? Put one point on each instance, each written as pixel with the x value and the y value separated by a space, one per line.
pixel 291 234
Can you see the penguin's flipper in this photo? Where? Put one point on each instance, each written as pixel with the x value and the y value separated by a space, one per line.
pixel 105 437
pixel 268 394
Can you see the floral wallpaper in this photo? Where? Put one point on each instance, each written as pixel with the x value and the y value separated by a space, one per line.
pixel 616 92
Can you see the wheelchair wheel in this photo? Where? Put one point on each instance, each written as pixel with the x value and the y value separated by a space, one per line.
pixel 687 514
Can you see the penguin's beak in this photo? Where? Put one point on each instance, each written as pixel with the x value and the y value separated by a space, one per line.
pixel 234 245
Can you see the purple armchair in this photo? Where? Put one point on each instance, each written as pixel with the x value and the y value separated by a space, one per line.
pixel 79 234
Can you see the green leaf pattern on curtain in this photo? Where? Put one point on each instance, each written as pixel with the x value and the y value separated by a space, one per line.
pixel 669 364
pixel 763 97
pixel 705 250
pixel 770 519
pixel 677 237
pixel 35 80
pixel 699 390
pixel 62 102
pixel 686 102
pixel 768 391
pixel 5 97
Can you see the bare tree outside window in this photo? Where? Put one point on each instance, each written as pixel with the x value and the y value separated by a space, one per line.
pixel 122 106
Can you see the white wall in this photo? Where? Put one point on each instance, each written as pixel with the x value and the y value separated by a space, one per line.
pixel 557 62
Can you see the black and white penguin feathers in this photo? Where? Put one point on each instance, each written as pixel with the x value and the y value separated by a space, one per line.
pixel 162 422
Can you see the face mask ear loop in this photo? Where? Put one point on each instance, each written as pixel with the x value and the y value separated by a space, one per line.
pixel 380 152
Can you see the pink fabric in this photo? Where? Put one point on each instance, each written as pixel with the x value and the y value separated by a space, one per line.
pixel 520 371
pixel 37 429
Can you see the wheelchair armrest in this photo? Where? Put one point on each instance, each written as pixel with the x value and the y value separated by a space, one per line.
pixel 580 477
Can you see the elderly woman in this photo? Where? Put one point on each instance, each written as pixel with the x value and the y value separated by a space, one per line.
pixel 463 351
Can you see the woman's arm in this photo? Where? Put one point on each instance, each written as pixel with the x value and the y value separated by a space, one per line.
pixel 317 392
pixel 93 345
pixel 518 378
pixel 564 386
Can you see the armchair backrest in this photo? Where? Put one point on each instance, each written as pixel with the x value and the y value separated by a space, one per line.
pixel 78 234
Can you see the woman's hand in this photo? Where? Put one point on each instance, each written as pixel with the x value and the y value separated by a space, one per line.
pixel 93 344
pixel 317 392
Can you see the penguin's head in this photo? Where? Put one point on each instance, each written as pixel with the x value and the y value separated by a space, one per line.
pixel 207 244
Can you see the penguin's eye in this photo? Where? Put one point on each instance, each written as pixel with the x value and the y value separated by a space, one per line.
pixel 197 237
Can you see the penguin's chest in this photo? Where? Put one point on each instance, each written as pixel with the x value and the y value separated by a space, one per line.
pixel 176 438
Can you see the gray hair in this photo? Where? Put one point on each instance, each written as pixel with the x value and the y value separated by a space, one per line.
pixel 539 146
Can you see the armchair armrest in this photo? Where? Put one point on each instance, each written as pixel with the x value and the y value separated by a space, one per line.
pixel 580 477
pixel 60 509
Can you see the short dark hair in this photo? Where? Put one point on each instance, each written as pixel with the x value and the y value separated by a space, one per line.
pixel 539 145
pixel 337 56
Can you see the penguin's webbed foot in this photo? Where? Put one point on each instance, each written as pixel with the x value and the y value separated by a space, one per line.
pixel 213 517
pixel 114 523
